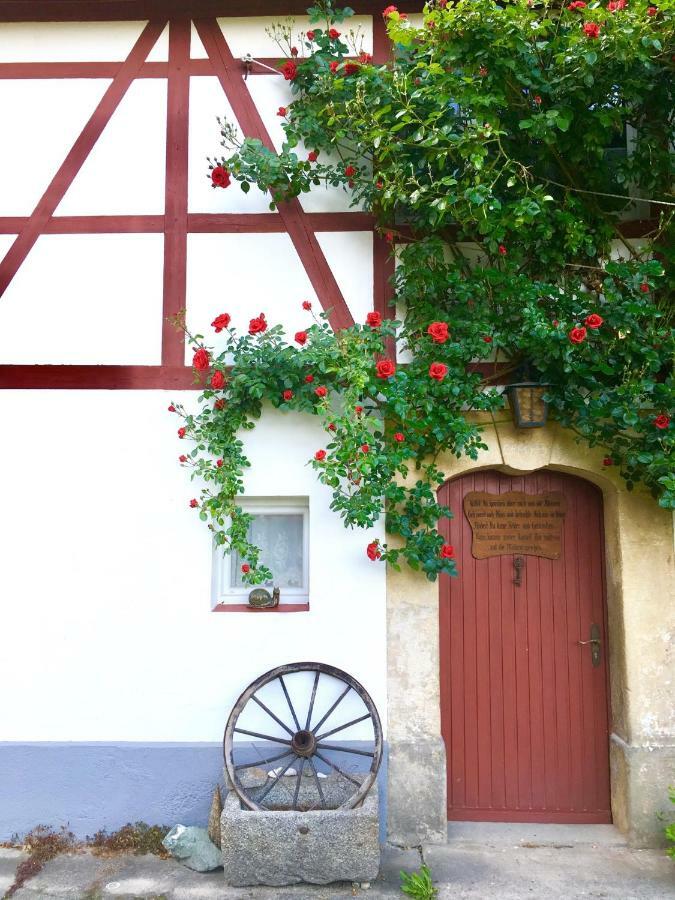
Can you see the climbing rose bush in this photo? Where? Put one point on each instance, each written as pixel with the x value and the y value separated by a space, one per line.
pixel 488 150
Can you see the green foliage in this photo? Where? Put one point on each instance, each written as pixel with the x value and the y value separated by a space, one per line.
pixel 419 884
pixel 669 830
pixel 489 149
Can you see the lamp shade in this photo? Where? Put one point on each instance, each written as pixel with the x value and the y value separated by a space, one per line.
pixel 527 403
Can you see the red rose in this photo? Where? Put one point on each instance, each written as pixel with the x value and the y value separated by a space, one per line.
pixel 537 99
pixel 351 68
pixel 287 395
pixel 333 66
pixel 289 70
pixel 334 34
pixel 281 111
pixel 365 448
pixel 389 11
pixel 332 427
pixel 447 551
pixel 608 461
pixel 301 337
pixel 201 360
pixel 502 250
pixel 181 432
pixel 294 51
pixel 651 10
pixel 399 437
pixel 482 71
pixel 593 321
pixel 306 305
pixel 310 35
pixel 220 177
pixel 644 287
pixel 258 325
pixel 487 338
pixel 172 408
pixel 320 391
pixel 385 368
pixel 217 380
pixel 373 551
pixel 219 463
pixel 221 321
pixel 577 5
pixel 245 568
pixel 662 422
pixel 309 379
pixel 592 30
pixel 182 458
pixel 379 185
pixel 350 171
pixel 577 335
pixel 312 156
pixel 194 503
pixel 365 58
pixel 358 410
pixel 219 404
pixel 320 455
pixel 438 371
pixel 374 319
pixel 389 237
pixel 438 331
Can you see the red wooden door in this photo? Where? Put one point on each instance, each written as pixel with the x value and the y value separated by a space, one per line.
pixel 524 711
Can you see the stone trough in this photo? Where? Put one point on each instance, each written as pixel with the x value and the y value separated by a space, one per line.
pixel 313 845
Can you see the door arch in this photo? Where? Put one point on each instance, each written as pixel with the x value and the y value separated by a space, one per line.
pixel 524 712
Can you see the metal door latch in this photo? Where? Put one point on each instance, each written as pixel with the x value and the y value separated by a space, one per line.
pixel 518 565
pixel 595 644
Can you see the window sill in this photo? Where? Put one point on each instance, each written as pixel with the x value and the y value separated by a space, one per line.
pixel 244 607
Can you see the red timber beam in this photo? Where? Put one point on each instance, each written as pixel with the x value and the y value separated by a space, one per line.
pixel 292 215
pixel 79 152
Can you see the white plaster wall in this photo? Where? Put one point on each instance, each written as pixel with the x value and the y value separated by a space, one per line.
pixel 70 41
pixel 105 577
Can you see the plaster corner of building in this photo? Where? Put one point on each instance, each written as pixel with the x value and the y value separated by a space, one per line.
pixel 417 808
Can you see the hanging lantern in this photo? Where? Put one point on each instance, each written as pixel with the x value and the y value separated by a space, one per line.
pixel 527 403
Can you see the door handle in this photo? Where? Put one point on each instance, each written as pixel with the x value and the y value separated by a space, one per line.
pixel 595 644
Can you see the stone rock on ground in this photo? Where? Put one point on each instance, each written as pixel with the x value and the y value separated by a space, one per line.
pixel 193 847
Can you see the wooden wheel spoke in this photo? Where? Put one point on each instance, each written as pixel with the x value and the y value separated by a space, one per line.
pixel 333 707
pixel 271 714
pixel 288 700
pixel 320 737
pixel 344 749
pixel 337 769
pixel 262 762
pixel 263 737
pixel 299 782
pixel 318 783
pixel 275 779
pixel 311 702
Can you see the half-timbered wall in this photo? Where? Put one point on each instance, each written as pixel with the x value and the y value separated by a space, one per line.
pixel 109 224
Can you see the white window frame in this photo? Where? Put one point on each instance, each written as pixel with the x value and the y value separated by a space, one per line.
pixel 224 592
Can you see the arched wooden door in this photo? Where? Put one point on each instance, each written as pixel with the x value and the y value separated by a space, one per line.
pixel 523 705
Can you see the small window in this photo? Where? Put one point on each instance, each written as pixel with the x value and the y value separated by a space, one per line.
pixel 280 529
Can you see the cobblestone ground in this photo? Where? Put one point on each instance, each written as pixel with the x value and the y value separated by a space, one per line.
pixel 474 865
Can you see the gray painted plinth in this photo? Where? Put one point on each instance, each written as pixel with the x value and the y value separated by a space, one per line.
pixel 285 847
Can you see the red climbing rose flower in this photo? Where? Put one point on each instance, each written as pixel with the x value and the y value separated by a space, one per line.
pixel 373 551
pixel 182 458
pixel 220 177
pixel 281 111
pixel 301 337
pixel 310 35
pixel 333 66
pixel 438 331
pixel 502 250
pixel 652 10
pixel 374 319
pixel 219 463
pixel 482 71
pixel 332 427
pixel 385 368
pixel 172 408
pixel 194 503
pixel 287 395
pixel 358 410
pixel 289 70
pixel 312 156
pixel 334 34
pixel 389 11
pixel 350 171
pixel 662 422
pixel 577 335
pixel 487 338
pixel 181 432
pixel 365 448
pixel 399 437
pixel 438 371
pixel 593 321
pixel 306 305
pixel 365 58
pixel 379 185
pixel 221 321
pixel 257 325
pixel 447 551
pixel 294 51
pixel 320 455
pixel 351 68
pixel 245 568
pixel 321 391
pixel 219 404
pixel 644 287
pixel 577 4
pixel 592 30
pixel 389 237
pixel 608 461
pixel 217 380
pixel 201 360
pixel 309 379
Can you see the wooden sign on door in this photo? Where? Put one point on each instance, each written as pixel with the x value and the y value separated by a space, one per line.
pixel 515 522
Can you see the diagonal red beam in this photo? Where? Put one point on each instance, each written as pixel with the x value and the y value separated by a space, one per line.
pixel 176 189
pixel 293 216
pixel 77 154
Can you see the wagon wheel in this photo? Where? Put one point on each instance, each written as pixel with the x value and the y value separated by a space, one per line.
pixel 300 732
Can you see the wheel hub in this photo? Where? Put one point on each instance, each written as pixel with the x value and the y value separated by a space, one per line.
pixel 303 743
